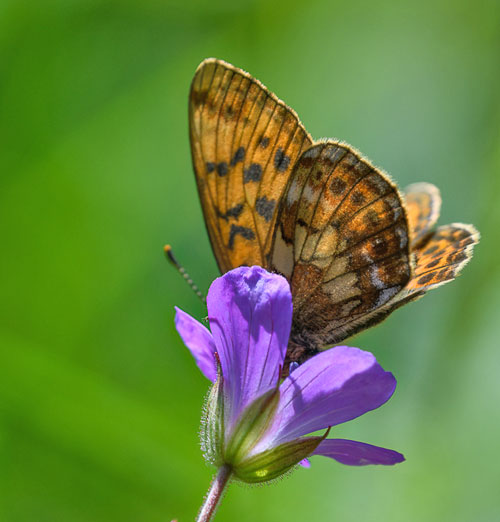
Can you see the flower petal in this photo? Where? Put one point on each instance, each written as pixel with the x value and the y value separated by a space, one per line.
pixel 250 313
pixel 199 341
pixel 355 453
pixel 305 463
pixel 332 387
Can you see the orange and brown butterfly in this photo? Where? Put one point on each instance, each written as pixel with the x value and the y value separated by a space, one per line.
pixel 352 246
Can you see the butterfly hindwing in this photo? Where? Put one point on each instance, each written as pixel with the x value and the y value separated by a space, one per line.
pixel 423 204
pixel 439 260
pixel 342 241
pixel 442 256
pixel 244 142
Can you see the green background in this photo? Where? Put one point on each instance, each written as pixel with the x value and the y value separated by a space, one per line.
pixel 99 400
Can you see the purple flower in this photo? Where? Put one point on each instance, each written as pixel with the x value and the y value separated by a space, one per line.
pixel 256 424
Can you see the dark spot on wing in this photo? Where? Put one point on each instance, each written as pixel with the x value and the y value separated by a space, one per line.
pixel 335 224
pixel 443 274
pixel 237 230
pixel 338 186
pixel 210 167
pixel 264 141
pixel 358 197
pixel 222 168
pixel 371 218
pixel 252 173
pixel 229 111
pixel 302 223
pixel 379 246
pixel 239 155
pixel 310 228
pixel 425 279
pixel 233 212
pixel 199 97
pixel 318 174
pixel 265 207
pixel 281 160
pixel 432 264
pixel 306 162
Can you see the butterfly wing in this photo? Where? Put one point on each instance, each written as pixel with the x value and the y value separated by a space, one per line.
pixel 443 255
pixel 423 204
pixel 335 226
pixel 343 243
pixel 439 260
pixel 244 143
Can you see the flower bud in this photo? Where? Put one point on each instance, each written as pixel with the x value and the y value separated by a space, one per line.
pixel 252 424
pixel 250 428
pixel 276 461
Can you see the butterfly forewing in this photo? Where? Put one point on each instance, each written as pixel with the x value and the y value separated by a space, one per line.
pixel 244 142
pixel 342 240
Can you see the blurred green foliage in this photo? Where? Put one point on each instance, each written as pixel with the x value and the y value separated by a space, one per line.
pixel 99 400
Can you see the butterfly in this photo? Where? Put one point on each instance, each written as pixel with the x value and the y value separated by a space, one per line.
pixel 352 246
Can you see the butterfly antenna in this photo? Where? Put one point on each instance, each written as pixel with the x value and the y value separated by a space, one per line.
pixel 171 258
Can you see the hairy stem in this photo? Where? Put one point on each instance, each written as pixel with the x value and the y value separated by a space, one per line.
pixel 214 495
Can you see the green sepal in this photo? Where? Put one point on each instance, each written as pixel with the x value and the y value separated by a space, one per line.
pixel 251 426
pixel 212 430
pixel 273 463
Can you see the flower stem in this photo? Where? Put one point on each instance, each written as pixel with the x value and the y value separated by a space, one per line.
pixel 215 494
